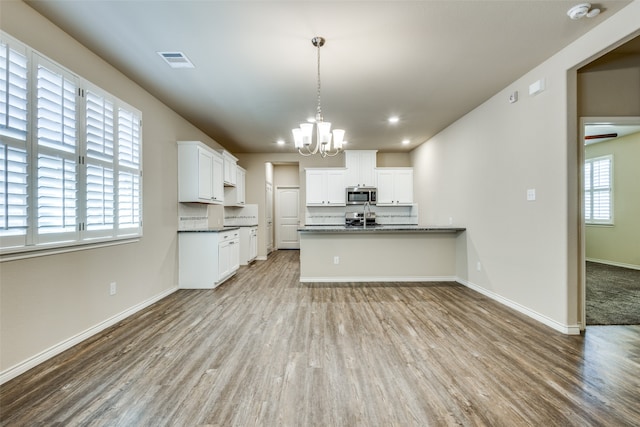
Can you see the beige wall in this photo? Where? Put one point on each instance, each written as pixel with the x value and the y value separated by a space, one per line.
pixel 47 300
pixel 478 170
pixel 286 175
pixel 619 244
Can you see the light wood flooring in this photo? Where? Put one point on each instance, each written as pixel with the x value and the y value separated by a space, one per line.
pixel 266 350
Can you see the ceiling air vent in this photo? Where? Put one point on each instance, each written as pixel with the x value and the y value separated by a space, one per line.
pixel 176 59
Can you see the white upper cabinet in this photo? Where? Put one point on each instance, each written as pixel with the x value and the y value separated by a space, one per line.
pixel 235 196
pixel 230 165
pixel 199 173
pixel 395 186
pixel 325 187
pixel 361 166
pixel 241 175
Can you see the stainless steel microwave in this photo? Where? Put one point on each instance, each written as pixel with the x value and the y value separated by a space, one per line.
pixel 361 195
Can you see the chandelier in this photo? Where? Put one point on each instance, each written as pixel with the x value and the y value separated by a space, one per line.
pixel 303 136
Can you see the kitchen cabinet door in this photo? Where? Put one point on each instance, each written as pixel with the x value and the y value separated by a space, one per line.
pixel 230 165
pixel 325 187
pixel 218 183
pixel 240 185
pixel 403 186
pixel 316 187
pixel 199 179
pixel 361 166
pixel 335 188
pixel 395 186
pixel 235 196
pixel 205 175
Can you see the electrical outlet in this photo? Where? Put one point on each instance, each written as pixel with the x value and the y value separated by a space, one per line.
pixel 450 220
pixel 479 266
pixel 112 288
pixel 336 260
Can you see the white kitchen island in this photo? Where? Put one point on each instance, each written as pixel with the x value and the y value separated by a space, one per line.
pixel 390 253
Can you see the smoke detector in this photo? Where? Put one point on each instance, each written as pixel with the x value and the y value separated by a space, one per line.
pixel 581 10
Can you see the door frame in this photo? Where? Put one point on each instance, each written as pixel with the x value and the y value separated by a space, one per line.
pixel 276 220
pixel 582 284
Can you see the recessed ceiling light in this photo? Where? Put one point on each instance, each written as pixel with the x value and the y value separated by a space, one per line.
pixel 176 59
pixel 394 119
pixel 405 142
pixel 280 142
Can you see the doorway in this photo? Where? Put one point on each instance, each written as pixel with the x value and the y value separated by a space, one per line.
pixel 287 217
pixel 611 229
pixel 605 86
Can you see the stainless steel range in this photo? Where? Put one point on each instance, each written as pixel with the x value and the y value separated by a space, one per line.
pixel 359 219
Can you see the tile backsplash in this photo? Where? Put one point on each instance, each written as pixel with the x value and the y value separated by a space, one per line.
pixel 334 215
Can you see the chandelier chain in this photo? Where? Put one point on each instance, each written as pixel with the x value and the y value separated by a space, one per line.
pixel 319 110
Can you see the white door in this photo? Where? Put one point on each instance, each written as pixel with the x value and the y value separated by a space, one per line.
pixel 287 221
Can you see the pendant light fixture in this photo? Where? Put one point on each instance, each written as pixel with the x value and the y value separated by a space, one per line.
pixel 327 143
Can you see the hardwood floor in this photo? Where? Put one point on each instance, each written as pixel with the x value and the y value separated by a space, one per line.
pixel 264 349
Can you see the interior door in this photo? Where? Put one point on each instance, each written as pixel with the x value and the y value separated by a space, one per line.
pixel 287 217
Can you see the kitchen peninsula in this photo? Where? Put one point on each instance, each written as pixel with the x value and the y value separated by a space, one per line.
pixel 382 253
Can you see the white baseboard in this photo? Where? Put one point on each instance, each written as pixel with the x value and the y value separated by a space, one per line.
pixel 261 258
pixel 56 349
pixel 614 263
pixel 565 329
pixel 378 279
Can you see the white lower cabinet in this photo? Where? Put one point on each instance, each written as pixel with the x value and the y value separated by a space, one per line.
pixel 207 258
pixel 248 244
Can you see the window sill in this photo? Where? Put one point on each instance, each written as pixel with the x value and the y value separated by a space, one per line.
pixel 33 252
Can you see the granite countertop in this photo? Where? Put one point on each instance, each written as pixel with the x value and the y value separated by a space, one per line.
pixel 391 228
pixel 209 230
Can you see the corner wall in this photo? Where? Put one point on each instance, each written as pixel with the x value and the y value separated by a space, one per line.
pixel 478 170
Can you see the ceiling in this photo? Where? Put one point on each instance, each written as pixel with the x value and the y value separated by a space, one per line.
pixel 428 62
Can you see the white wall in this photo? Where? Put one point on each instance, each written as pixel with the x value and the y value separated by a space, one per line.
pixel 49 301
pixel 478 170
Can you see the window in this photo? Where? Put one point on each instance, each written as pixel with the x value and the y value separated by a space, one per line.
pixel 598 196
pixel 70 156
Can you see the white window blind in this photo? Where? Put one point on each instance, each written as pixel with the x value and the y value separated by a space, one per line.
pixel 13 92
pixel 70 156
pixel 57 147
pixel 13 144
pixel 598 186
pixel 129 183
pixel 100 176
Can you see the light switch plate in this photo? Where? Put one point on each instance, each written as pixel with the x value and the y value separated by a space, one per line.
pixel 531 194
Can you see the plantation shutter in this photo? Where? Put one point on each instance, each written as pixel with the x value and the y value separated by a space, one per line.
pixel 598 190
pixel 100 179
pixel 13 148
pixel 13 93
pixel 57 154
pixel 70 156
pixel 129 172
